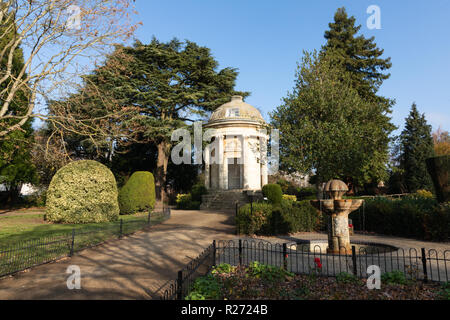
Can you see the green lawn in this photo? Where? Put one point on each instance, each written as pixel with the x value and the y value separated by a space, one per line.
pixel 32 226
pixel 27 240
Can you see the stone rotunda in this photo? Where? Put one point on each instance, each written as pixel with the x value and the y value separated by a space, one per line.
pixel 236 159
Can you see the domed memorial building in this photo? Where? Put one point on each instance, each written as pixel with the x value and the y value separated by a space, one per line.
pixel 236 159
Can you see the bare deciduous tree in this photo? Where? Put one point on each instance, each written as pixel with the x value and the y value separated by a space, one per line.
pixel 99 116
pixel 57 37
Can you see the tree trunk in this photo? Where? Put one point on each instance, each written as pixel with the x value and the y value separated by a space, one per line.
pixel 161 171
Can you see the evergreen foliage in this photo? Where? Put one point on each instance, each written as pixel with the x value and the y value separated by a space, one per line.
pixel 82 192
pixel 360 56
pixel 416 146
pixel 16 167
pixel 439 169
pixel 138 193
pixel 264 218
pixel 166 84
pixel 273 193
pixel 413 217
pixel 197 191
pixel 326 126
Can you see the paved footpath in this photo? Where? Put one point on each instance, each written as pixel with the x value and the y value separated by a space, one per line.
pixel 136 267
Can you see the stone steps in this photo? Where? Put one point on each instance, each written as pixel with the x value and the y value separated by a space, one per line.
pixel 224 200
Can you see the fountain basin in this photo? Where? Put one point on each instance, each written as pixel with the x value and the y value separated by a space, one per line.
pixel 361 248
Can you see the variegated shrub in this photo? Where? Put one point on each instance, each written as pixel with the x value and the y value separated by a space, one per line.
pixel 82 192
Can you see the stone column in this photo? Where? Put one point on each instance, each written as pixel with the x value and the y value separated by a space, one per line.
pixel 244 161
pixel 264 160
pixel 207 167
pixel 223 165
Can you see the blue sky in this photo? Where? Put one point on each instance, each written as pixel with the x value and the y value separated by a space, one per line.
pixel 265 40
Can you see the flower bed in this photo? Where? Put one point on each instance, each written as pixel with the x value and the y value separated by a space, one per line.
pixel 259 281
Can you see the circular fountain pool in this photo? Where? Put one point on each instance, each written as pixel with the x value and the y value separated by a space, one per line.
pixel 361 248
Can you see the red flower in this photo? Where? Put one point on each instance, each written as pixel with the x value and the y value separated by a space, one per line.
pixel 318 263
pixel 286 256
pixel 350 226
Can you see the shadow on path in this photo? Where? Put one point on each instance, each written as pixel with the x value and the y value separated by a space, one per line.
pixel 135 267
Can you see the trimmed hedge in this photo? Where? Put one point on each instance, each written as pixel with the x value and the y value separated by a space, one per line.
pixel 272 219
pixel 185 202
pixel 302 193
pixel 138 193
pixel 273 193
pixel 306 193
pixel 411 217
pixel 193 199
pixel 287 187
pixel 82 192
pixel 197 191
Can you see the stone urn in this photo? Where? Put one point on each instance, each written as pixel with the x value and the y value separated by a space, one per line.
pixel 338 210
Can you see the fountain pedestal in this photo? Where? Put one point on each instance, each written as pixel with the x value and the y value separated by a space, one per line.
pixel 338 210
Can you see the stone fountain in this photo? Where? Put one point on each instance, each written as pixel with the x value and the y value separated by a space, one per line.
pixel 338 209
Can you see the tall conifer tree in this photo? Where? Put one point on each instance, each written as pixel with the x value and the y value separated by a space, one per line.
pixel 360 56
pixel 416 145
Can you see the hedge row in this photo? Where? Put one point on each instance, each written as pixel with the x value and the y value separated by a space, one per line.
pixel 184 202
pixel 302 193
pixel 192 200
pixel 272 219
pixel 412 217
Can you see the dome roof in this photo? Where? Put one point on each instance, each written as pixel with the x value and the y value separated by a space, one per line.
pixel 236 109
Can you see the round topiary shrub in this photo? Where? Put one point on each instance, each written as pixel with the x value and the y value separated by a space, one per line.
pixel 138 194
pixel 273 193
pixel 82 192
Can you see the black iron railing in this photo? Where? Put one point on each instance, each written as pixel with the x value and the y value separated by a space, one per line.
pixel 179 288
pixel 416 264
pixel 19 256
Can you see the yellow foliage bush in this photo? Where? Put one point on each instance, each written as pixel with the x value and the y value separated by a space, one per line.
pixel 289 197
pixel 424 194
